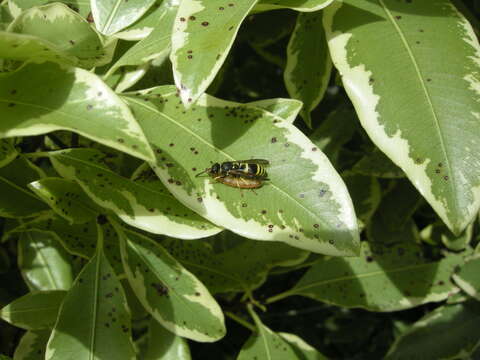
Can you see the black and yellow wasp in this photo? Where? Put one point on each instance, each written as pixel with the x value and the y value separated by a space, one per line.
pixel 243 174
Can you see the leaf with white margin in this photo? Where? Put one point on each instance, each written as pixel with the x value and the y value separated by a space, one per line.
pixel 438 233
pixel 203 33
pixel 101 330
pixel 77 101
pixel 287 109
pixel 18 6
pixel 309 66
pixel 114 15
pixel 377 164
pixel 169 292
pixel 154 46
pixel 303 350
pixel 389 275
pixel 467 277
pixel 15 198
pixel 243 267
pixel 297 5
pixel 144 205
pixel 7 152
pixel 66 30
pixel 448 332
pixel 66 198
pixel 164 345
pixel 265 344
pixel 43 262
pixel 35 310
pixel 305 203
pixel 409 106
pixel 32 345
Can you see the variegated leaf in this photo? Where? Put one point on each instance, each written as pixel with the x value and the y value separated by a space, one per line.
pixel 305 202
pixel 430 128
pixel 165 345
pixel 77 101
pixel 148 206
pixel 287 109
pixel 7 152
pixel 32 345
pixel 203 33
pixel 298 5
pixel 170 293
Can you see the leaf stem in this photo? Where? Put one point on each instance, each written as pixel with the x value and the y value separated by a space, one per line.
pixel 278 297
pixel 241 321
pixel 34 155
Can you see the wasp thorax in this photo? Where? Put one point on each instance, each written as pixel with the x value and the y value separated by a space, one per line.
pixel 215 169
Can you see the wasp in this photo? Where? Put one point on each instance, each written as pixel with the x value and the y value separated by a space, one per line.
pixel 243 174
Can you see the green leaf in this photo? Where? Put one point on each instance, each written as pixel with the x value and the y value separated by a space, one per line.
pixel 66 198
pixel 204 31
pixel 389 274
pixel 154 46
pixel 287 109
pixel 402 105
pixel 15 199
pixel 308 68
pixel 467 277
pixel 17 6
pixel 298 5
pixel 377 164
pixel 114 15
pixel 5 16
pixel 43 262
pixel 143 204
pixel 448 332
pixel 68 32
pixel 36 310
pixel 303 350
pixel 266 344
pixel 305 202
pixel 101 330
pixel 170 293
pixel 77 101
pixel 32 345
pixel 244 267
pixel 438 233
pixel 164 345
pixel 7 152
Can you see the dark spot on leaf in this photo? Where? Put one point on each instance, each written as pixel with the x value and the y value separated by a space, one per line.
pixel 205 23
pixel 182 19
pixel 273 140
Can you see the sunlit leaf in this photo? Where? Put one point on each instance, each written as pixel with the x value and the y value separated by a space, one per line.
pixel 298 5
pixel 36 310
pixel 165 345
pixel 303 350
pixel 467 277
pixel 101 330
pixel 32 345
pixel 18 6
pixel 305 202
pixel 448 332
pixel 16 200
pixel 203 33
pixel 390 274
pixel 266 345
pixel 141 204
pixel 114 15
pixel 287 109
pixel 170 293
pixel 68 32
pixel 308 63
pixel 77 101
pixel 66 198
pixel 434 80
pixel 43 262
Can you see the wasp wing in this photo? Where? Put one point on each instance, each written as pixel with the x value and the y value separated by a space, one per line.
pixel 255 161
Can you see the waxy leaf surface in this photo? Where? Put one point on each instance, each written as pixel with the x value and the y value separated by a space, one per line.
pixel 32 345
pixel 304 203
pixel 430 128
pixel 169 292
pixel 77 101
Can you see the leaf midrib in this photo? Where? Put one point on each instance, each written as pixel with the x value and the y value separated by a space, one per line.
pixel 427 96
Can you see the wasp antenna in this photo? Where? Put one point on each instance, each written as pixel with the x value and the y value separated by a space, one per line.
pixel 203 172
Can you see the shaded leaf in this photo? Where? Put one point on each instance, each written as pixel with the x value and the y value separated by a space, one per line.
pixel 305 202
pixel 43 262
pixel 375 163
pixel 36 310
pixel 170 293
pixel 308 68
pixel 204 31
pixel 77 101
pixel 303 350
pixel 32 345
pixel 7 152
pixel 114 15
pixel 15 198
pixel 102 329
pixel 467 277
pixel 438 233
pixel 164 345
pixel 413 128
pixel 141 204
pixel 448 332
